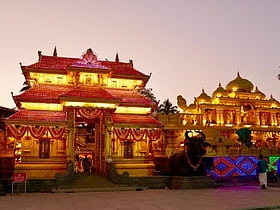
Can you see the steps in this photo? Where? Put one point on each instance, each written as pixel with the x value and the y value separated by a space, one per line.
pixel 90 183
pixel 191 182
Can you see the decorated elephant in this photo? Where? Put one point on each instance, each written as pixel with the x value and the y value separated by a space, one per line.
pixel 189 161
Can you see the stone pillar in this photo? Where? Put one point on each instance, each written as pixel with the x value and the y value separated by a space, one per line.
pixel 71 135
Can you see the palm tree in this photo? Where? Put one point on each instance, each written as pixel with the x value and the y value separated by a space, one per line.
pixel 167 107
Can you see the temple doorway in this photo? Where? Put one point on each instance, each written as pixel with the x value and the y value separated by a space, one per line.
pixel 128 152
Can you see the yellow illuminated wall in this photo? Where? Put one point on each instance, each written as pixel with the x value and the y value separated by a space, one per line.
pixel 42 106
pixel 133 110
pixel 123 83
pixel 43 78
pixel 89 104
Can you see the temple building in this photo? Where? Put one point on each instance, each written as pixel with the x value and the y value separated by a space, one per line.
pixel 238 105
pixel 77 108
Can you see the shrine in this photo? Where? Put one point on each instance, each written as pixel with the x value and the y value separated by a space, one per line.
pixel 74 109
pixel 90 112
pixel 220 116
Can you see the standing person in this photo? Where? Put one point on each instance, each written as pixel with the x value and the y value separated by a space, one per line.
pixel 262 168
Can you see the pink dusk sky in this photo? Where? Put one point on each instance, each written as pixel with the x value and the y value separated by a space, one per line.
pixel 187 45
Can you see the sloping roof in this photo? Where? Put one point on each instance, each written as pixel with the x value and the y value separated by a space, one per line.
pixel 53 62
pixel 131 97
pixel 120 69
pixel 117 69
pixel 38 116
pixel 43 93
pixel 91 93
pixel 133 120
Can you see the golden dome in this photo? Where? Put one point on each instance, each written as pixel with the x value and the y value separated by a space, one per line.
pixel 219 92
pixel 203 98
pixel 240 84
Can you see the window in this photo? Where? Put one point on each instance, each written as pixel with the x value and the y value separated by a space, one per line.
pixel 44 148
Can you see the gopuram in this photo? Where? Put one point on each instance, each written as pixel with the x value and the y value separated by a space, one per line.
pixel 240 106
pixel 76 109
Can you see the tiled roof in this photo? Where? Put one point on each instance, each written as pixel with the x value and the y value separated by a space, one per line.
pixel 43 93
pixel 90 66
pixel 38 116
pixel 53 93
pixel 131 97
pixel 53 62
pixel 93 93
pixel 122 69
pixel 134 120
pixel 118 69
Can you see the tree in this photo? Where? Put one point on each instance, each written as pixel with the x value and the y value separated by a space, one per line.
pixel 167 107
pixel 279 76
pixel 147 92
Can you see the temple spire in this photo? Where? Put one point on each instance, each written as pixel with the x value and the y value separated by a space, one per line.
pixel 54 51
pixel 117 57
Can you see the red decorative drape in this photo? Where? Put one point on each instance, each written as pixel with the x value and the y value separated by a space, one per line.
pixel 154 134
pixel 37 132
pixel 17 133
pixel 138 134
pixel 89 113
pixel 57 133
pixel 123 133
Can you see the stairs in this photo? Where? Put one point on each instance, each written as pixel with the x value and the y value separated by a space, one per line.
pixel 89 183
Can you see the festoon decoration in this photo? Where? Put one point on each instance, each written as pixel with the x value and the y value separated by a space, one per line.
pixel 137 134
pixel 35 131
pixel 89 113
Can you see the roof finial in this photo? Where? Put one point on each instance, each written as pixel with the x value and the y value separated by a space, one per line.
pixel 54 51
pixel 117 57
pixel 238 75
pixel 40 55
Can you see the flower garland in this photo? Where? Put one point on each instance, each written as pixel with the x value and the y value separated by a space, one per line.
pixel 57 133
pixel 122 134
pixel 35 132
pixel 18 133
pixel 154 134
pixel 195 167
pixel 138 134
pixel 89 114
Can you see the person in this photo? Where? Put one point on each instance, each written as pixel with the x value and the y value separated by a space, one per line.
pixel 86 165
pixel 262 169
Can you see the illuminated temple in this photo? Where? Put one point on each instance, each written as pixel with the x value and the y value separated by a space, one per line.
pixel 84 108
pixel 77 108
pixel 220 115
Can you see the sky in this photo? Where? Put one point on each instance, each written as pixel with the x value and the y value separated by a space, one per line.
pixel 186 45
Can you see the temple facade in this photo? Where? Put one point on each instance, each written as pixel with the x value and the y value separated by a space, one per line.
pixel 74 109
pixel 238 105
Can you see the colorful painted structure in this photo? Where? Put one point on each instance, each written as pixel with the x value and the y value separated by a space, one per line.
pixel 219 116
pixel 77 108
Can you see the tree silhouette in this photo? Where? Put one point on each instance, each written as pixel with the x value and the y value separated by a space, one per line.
pixel 147 92
pixel 166 107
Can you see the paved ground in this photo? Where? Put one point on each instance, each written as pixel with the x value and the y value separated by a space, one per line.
pixel 242 197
